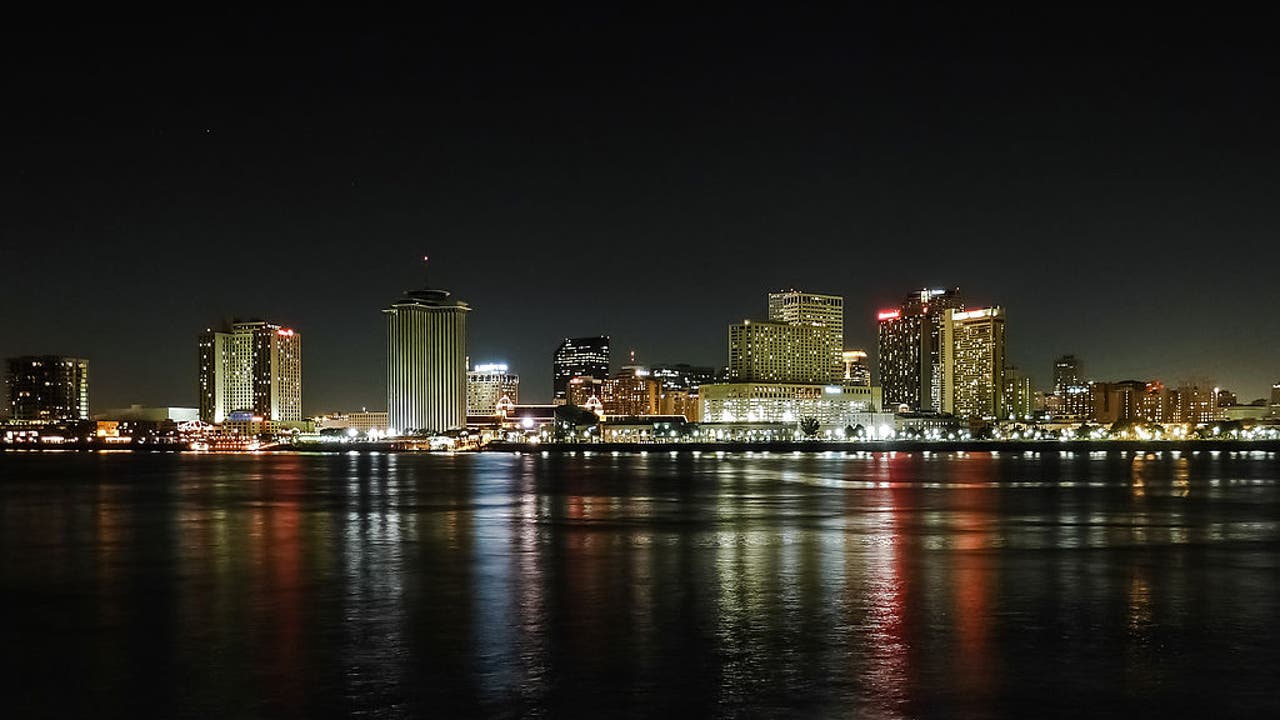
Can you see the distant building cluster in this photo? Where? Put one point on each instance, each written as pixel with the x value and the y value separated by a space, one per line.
pixel 942 371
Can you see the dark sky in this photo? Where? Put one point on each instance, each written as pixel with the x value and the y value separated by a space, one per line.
pixel 1113 181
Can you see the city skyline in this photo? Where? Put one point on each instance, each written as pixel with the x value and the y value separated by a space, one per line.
pixel 853 160
pixel 1045 382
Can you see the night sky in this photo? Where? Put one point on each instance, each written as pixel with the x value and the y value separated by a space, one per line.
pixel 1113 182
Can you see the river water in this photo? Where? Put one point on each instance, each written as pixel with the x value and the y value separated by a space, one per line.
pixel 601 585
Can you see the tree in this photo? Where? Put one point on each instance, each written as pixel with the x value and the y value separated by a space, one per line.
pixel 849 432
pixel 569 417
pixel 809 426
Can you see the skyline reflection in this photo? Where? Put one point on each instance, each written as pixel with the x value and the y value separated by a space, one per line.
pixel 897 584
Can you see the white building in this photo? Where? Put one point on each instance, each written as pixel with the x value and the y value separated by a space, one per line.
pixel 487 384
pixel 427 361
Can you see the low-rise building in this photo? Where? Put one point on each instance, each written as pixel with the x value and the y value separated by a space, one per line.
pixel 140 413
pixel 834 406
pixel 362 421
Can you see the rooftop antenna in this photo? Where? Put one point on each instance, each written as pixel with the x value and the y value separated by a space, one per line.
pixel 425 279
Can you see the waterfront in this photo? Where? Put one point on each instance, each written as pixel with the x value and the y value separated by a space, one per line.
pixel 905 584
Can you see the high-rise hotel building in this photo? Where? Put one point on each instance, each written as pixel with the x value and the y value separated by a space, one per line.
pixel 253 366
pixel 48 388
pixel 801 342
pixel 427 361
pixel 489 383
pixel 911 349
pixel 974 363
pixel 578 357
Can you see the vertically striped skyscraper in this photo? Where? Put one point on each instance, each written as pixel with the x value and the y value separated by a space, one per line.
pixel 427 361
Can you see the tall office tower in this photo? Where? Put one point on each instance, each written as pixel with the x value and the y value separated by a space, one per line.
pixel 577 357
pixel 910 345
pixel 489 383
pixel 856 371
pixel 254 366
pixel 765 351
pixel 427 361
pixel 1067 371
pixel 48 388
pixel 824 313
pixel 1019 398
pixel 1275 394
pixel 973 365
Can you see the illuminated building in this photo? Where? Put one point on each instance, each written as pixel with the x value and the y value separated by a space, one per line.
pixel 856 371
pixel 427 361
pixel 583 389
pixel 362 421
pixel 649 428
pixel 1117 401
pixel 630 393
pixel 801 341
pixel 1076 402
pixel 489 383
pixel 1153 404
pixel 244 423
pixel 910 349
pixel 824 314
pixel 763 351
pixel 1019 399
pixel 1254 411
pixel 973 363
pixel 1275 395
pixel 834 406
pixel 1197 402
pixel 581 356
pixel 48 388
pixel 253 366
pixel 676 401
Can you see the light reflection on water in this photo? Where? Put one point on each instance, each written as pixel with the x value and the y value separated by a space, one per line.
pixel 883 584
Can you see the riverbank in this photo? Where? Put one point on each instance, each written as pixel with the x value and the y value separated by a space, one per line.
pixel 796 446
pixel 807 446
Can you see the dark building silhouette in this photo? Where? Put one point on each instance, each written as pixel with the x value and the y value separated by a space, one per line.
pixel 576 357
pixel 48 388
pixel 910 349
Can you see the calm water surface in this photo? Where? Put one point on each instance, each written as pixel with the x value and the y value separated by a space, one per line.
pixel 876 585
